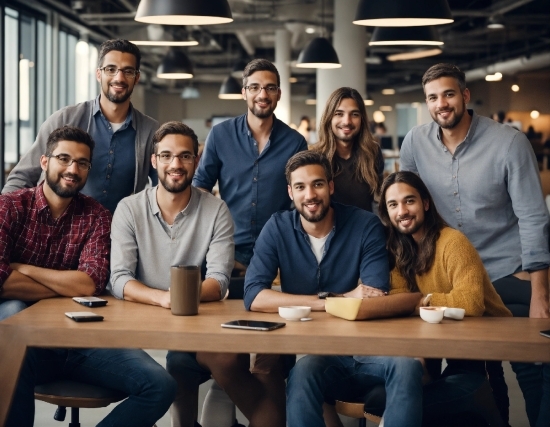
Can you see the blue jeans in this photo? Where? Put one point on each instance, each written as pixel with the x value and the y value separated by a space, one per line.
pixel 9 307
pixel 150 388
pixel 316 379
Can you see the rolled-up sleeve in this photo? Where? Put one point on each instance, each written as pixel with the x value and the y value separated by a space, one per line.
pixel 7 219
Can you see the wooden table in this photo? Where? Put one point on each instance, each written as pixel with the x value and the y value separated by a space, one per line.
pixel 132 325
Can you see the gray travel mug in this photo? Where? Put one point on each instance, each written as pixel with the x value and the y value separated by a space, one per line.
pixel 185 289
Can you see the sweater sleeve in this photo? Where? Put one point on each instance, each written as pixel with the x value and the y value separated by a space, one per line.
pixel 398 285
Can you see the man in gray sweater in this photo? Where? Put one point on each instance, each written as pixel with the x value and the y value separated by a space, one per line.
pixel 122 135
pixel 176 224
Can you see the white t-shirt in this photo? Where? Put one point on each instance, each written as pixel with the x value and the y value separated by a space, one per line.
pixel 116 126
pixel 317 246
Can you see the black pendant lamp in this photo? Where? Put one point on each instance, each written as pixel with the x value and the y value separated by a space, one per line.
pixel 405 36
pixel 175 65
pixel 230 89
pixel 403 13
pixel 184 12
pixel 319 53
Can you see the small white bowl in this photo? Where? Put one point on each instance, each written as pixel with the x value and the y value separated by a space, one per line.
pixel 432 314
pixel 455 313
pixel 295 312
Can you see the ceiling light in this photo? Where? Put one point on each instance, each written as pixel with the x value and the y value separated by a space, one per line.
pixel 311 101
pixel 175 65
pixel 319 53
pixel 293 79
pixel 388 91
pixel 534 114
pixel 184 12
pixel 310 30
pixel 495 23
pixel 165 43
pixel 493 77
pixel 190 92
pixel 378 116
pixel 515 88
pixel 239 68
pixel 373 60
pixel 368 101
pixel 409 36
pixel 414 54
pixel 386 108
pixel 403 13
pixel 230 89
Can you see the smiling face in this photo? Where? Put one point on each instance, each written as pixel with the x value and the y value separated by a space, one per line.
pixel 406 209
pixel 311 192
pixel 261 104
pixel 447 105
pixel 117 88
pixel 66 181
pixel 176 176
pixel 346 121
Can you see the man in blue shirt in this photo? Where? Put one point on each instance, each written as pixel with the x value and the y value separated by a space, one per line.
pixel 323 248
pixel 122 134
pixel 247 156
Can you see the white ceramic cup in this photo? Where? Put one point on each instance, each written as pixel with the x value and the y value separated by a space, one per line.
pixel 455 313
pixel 295 312
pixel 432 314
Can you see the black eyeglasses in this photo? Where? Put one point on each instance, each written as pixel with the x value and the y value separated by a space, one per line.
pixel 167 158
pixel 254 89
pixel 65 160
pixel 111 71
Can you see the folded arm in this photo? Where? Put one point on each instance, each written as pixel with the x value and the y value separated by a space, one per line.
pixel 402 304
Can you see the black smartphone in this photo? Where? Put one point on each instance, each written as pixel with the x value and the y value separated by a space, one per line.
pixel 90 301
pixel 545 333
pixel 84 316
pixel 255 325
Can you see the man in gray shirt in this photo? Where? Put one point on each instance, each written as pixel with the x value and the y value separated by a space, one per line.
pixel 174 223
pixel 484 179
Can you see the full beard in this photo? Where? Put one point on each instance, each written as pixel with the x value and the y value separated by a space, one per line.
pixel 172 187
pixel 61 191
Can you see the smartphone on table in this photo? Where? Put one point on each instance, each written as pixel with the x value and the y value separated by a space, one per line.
pixel 545 333
pixel 90 301
pixel 84 316
pixel 255 325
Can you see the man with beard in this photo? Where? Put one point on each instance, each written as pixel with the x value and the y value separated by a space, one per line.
pixel 170 224
pixel 322 249
pixel 484 179
pixel 54 241
pixel 121 133
pixel 247 156
pixel 356 158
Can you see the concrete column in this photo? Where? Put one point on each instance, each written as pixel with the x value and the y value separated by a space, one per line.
pixel 350 42
pixel 282 62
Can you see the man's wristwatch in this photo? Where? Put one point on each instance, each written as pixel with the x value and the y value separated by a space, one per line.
pixel 323 295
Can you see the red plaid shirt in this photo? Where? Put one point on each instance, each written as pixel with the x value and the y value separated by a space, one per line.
pixel 78 240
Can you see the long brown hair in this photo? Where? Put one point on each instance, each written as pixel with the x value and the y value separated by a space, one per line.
pixel 365 150
pixel 411 258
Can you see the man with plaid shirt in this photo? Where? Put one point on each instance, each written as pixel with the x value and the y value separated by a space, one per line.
pixel 55 241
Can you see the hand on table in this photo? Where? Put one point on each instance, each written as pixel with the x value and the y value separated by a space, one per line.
pixel 364 291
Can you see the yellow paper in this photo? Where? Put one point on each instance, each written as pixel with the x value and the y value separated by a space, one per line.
pixel 346 308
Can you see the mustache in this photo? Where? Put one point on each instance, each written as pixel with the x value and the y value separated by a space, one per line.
pixel 118 84
pixel 305 202
pixel 404 217
pixel 182 171
pixel 72 176
pixel 444 110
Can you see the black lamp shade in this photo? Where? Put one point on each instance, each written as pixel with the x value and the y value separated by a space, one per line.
pixel 398 36
pixel 230 89
pixel 403 13
pixel 184 12
pixel 319 53
pixel 175 65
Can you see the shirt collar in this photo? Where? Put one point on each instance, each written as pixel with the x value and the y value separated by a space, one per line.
pixel 471 130
pixel 246 129
pixel 338 218
pixel 129 116
pixel 191 206
pixel 42 203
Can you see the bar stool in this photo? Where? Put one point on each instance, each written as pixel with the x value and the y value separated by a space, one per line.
pixel 75 395
pixel 370 408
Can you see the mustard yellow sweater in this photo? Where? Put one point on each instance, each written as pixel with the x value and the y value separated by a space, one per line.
pixel 457 278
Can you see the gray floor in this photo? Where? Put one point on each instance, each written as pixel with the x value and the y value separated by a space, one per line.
pixel 90 417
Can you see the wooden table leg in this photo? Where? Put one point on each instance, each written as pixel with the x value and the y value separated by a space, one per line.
pixel 12 350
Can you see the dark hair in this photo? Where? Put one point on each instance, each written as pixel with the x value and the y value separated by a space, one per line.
pixel 305 158
pixel 175 128
pixel 259 65
pixel 120 46
pixel 69 133
pixel 365 151
pixel 411 258
pixel 444 70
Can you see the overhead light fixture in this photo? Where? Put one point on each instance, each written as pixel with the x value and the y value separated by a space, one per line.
pixel 190 92
pixel 534 114
pixel 414 54
pixel 515 88
pixel 386 108
pixel 310 30
pixel 408 36
pixel 388 91
pixel 373 60
pixel 495 23
pixel 378 116
pixel 175 65
pixel 403 13
pixel 238 69
pixel 293 79
pixel 189 42
pixel 368 101
pixel 184 12
pixel 230 89
pixel 493 77
pixel 319 53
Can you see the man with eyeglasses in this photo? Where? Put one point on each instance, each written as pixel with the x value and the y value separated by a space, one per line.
pixel 54 241
pixel 122 134
pixel 177 224
pixel 247 156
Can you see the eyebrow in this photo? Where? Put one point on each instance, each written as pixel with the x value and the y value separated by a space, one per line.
pixel 444 92
pixel 410 196
pixel 181 152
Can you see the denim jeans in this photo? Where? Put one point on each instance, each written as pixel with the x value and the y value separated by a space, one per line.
pixel 9 307
pixel 316 379
pixel 150 388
